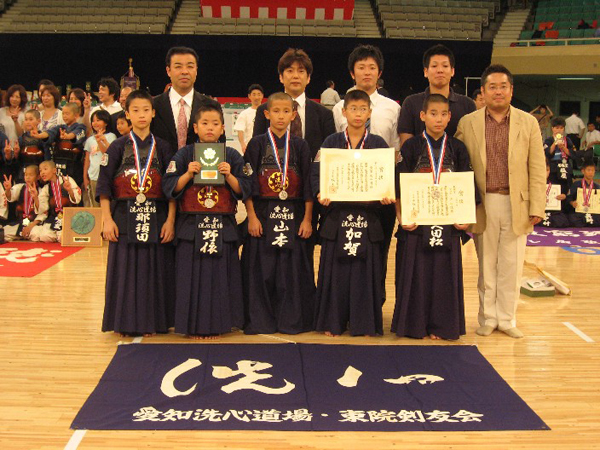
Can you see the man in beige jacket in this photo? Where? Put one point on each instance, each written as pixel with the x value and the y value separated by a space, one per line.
pixel 507 155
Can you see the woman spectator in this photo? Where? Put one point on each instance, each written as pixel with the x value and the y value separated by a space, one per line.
pixel 77 95
pixel 13 113
pixel 51 115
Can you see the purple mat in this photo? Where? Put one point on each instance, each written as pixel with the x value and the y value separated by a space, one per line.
pixel 564 237
pixel 303 387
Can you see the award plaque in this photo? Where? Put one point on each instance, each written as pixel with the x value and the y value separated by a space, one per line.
pixel 82 227
pixel 209 155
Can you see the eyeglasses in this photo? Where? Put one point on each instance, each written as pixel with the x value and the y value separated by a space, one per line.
pixel 354 110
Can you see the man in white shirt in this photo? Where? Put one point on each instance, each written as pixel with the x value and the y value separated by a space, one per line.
pixel 109 92
pixel 591 137
pixel 330 97
pixel 574 129
pixel 244 125
pixel 365 64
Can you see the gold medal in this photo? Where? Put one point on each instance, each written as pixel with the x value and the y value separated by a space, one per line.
pixel 140 198
pixel 60 215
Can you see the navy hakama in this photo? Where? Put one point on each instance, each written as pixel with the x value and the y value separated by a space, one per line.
pixel 209 285
pixel 350 287
pixel 140 277
pixel 278 280
pixel 429 280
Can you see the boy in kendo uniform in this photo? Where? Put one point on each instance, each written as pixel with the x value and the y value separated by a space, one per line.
pixel 61 191
pixel 554 219
pixel 32 206
pixel 67 141
pixel 588 188
pixel 209 298
pixel 33 151
pixel 139 222
pixel 277 269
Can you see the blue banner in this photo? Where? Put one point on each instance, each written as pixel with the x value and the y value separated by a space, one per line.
pixel 303 387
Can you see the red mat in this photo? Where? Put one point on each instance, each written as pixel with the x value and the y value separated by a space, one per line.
pixel 27 259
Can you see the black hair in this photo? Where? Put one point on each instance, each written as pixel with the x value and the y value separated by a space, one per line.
pixel 113 87
pixel 180 51
pixel 587 162
pixel 102 115
pixel 329 83
pixel 356 95
pixel 438 49
pixel 278 96
pixel 558 122
pixel 138 94
pixel 210 105
pixel 591 123
pixel 44 82
pixel 256 87
pixel 496 68
pixel 363 52
pixel 434 98
pixel 123 116
pixel 293 55
pixel 475 93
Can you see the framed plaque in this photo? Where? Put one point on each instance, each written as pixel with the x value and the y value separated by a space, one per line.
pixel 424 203
pixel 357 175
pixel 82 227
pixel 209 155
pixel 552 203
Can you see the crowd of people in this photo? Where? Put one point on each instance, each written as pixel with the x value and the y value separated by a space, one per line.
pixel 174 259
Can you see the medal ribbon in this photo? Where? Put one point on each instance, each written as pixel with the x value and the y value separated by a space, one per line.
pixel 436 169
pixel 362 145
pixel 286 155
pixel 56 193
pixel 587 192
pixel 548 190
pixel 28 202
pixel 136 155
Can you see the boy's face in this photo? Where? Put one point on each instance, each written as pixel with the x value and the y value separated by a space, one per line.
pixel 209 127
pixel 436 118
pixel 558 129
pixel 365 74
pixel 357 113
pixel 98 125
pixel 280 114
pixel 440 72
pixel 256 97
pixel 479 101
pixel 182 71
pixel 589 172
pixel 68 115
pixel 123 127
pixel 140 113
pixel 295 79
pixel 31 123
pixel 591 127
pixel 47 173
pixel 30 176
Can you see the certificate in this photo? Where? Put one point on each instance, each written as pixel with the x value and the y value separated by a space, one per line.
pixel 357 175
pixel 593 207
pixel 552 203
pixel 424 203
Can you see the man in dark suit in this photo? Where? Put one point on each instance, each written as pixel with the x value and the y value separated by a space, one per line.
pixel 314 122
pixel 176 107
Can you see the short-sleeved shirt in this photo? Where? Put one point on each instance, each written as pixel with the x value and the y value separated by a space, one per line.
pixel 91 146
pixel 574 124
pixel 410 121
pixel 245 123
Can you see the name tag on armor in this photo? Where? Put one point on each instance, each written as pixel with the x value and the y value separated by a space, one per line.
pixel 209 234
pixel 281 226
pixel 142 222
pixel 352 235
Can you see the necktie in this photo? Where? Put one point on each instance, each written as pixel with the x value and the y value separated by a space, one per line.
pixel 296 125
pixel 182 125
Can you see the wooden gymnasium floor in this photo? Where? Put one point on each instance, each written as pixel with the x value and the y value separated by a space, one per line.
pixel 53 354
